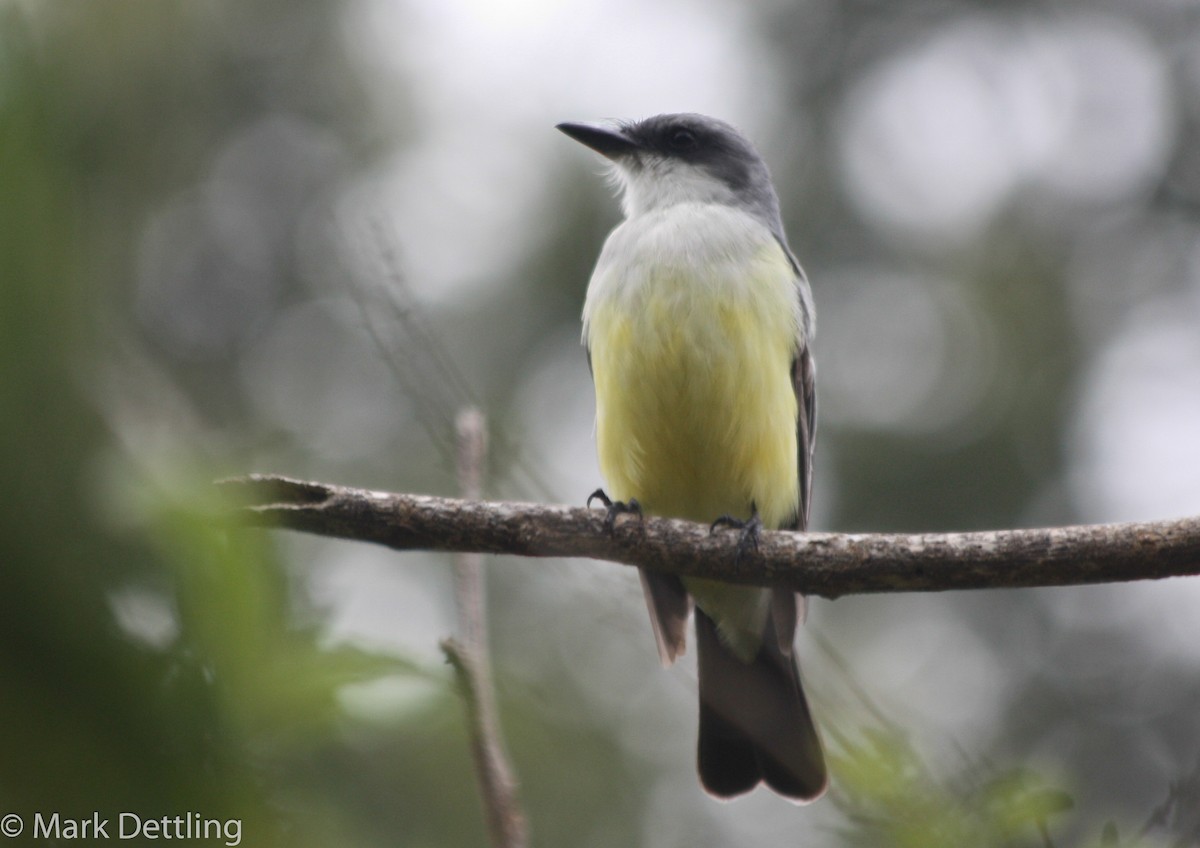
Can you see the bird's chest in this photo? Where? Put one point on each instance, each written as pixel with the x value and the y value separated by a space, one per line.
pixel 689 290
pixel 691 340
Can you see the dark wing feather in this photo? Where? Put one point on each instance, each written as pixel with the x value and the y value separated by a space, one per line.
pixel 804 380
pixel 789 608
pixel 669 605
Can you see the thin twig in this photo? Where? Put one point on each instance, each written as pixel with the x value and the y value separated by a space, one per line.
pixel 497 782
pixel 826 564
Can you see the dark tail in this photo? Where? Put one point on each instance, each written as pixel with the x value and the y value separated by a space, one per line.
pixel 754 720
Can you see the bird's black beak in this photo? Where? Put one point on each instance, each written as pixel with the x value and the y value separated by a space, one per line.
pixel 607 141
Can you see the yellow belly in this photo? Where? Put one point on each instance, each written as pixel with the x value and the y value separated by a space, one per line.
pixel 695 408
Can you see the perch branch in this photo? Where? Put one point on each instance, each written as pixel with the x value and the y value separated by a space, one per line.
pixel 826 564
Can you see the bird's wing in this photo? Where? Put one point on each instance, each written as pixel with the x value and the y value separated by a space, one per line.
pixel 787 607
pixel 804 381
pixel 669 604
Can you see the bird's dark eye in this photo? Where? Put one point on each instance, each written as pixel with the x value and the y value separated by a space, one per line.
pixel 682 140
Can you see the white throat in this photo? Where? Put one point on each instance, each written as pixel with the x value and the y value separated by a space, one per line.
pixel 655 183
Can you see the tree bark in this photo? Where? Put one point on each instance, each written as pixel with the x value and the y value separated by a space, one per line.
pixel 825 564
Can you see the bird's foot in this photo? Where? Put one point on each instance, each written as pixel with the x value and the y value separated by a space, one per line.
pixel 615 508
pixel 751 530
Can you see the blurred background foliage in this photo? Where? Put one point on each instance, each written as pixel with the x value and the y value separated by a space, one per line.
pixel 297 236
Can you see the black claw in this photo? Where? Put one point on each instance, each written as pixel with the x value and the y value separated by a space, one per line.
pixel 615 508
pixel 726 520
pixel 751 531
pixel 599 495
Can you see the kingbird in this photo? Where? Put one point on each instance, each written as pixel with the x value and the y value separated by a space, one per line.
pixel 697 323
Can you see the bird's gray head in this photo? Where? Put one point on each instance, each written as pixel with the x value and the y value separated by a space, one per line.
pixel 684 158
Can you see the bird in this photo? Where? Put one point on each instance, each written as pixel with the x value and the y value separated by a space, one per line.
pixel 698 322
